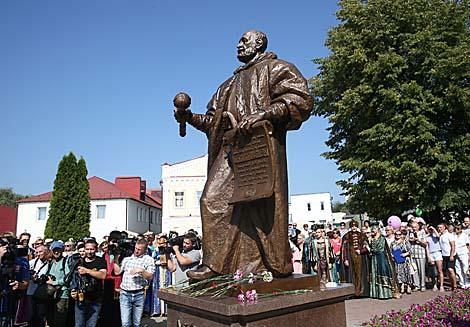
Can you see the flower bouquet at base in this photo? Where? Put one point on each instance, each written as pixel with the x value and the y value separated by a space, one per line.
pixel 249 287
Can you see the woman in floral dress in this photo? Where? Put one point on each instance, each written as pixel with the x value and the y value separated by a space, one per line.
pixel 401 255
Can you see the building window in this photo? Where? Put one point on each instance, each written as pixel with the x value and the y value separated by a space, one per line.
pixel 151 216
pixel 179 199
pixel 42 213
pixel 100 211
pixel 309 207
pixel 146 216
pixel 198 198
pixel 141 214
pixel 322 205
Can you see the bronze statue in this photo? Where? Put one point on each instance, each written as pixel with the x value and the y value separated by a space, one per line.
pixel 249 114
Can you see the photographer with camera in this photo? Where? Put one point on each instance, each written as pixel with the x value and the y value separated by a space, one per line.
pixel 87 287
pixel 137 270
pixel 38 271
pixel 56 312
pixel 13 281
pixel 185 258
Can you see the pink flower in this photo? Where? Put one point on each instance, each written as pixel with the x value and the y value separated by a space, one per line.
pixel 241 298
pixel 238 275
pixel 251 296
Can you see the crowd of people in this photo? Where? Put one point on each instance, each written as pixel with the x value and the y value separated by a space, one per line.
pixel 385 261
pixel 87 282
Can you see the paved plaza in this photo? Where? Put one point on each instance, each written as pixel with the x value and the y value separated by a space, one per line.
pixel 361 310
pixel 357 310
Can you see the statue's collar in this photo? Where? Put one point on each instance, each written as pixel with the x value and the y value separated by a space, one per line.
pixel 254 61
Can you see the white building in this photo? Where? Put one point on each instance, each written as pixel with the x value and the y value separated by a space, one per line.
pixel 311 209
pixel 182 186
pixel 123 205
pixel 340 217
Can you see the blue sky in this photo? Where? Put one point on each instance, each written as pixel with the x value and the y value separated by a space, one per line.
pixel 98 77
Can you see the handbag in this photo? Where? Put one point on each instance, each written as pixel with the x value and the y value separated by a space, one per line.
pixel 413 268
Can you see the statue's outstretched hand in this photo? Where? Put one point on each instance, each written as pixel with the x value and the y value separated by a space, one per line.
pixel 247 122
pixel 182 116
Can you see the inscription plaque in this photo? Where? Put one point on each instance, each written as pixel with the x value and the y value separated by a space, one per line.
pixel 252 159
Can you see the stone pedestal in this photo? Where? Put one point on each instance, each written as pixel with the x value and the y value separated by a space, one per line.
pixel 318 308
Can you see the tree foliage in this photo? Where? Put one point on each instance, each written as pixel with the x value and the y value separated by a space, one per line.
pixel 9 198
pixel 340 207
pixel 395 89
pixel 69 214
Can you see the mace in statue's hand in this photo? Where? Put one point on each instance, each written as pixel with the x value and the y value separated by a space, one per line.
pixel 247 122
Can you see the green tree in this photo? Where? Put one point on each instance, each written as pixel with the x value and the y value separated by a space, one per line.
pixel 340 207
pixel 67 215
pixel 83 198
pixel 9 198
pixel 395 89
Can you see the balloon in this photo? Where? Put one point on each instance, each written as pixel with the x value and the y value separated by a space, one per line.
pixel 394 221
pixel 418 212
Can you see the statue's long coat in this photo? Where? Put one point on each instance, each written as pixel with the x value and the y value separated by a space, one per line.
pixel 251 236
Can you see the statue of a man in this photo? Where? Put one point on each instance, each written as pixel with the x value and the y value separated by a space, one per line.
pixel 250 236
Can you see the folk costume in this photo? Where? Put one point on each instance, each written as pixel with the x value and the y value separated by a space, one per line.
pixel 356 270
pixel 382 281
pixel 319 259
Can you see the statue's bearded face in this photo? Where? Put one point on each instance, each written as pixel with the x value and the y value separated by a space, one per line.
pixel 247 47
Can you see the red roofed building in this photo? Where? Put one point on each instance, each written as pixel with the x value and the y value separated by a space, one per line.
pixel 123 205
pixel 7 219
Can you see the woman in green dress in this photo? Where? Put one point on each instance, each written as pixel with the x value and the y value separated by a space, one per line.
pixel 382 279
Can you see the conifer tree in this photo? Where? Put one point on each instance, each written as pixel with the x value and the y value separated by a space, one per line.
pixel 82 224
pixel 67 216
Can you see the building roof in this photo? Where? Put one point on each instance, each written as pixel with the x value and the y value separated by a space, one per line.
pixel 180 162
pixel 155 194
pixel 7 219
pixel 100 189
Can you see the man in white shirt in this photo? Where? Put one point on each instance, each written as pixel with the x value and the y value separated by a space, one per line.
pixel 305 232
pixel 38 268
pixel 447 243
pixel 462 245
pixel 137 270
pixel 466 226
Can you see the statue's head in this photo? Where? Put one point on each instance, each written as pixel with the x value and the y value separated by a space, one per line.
pixel 251 44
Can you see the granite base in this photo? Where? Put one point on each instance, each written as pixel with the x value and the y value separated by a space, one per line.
pixel 318 308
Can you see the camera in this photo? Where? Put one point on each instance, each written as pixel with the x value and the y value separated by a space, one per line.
pixel 14 249
pixel 121 245
pixel 42 279
pixel 12 252
pixel 178 240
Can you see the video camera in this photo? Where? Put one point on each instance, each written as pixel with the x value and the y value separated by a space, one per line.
pixel 121 245
pixel 14 249
pixel 176 239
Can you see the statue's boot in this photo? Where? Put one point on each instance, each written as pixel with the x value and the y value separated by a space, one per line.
pixel 200 274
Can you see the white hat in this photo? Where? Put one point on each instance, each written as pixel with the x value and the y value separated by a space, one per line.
pixel 420 220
